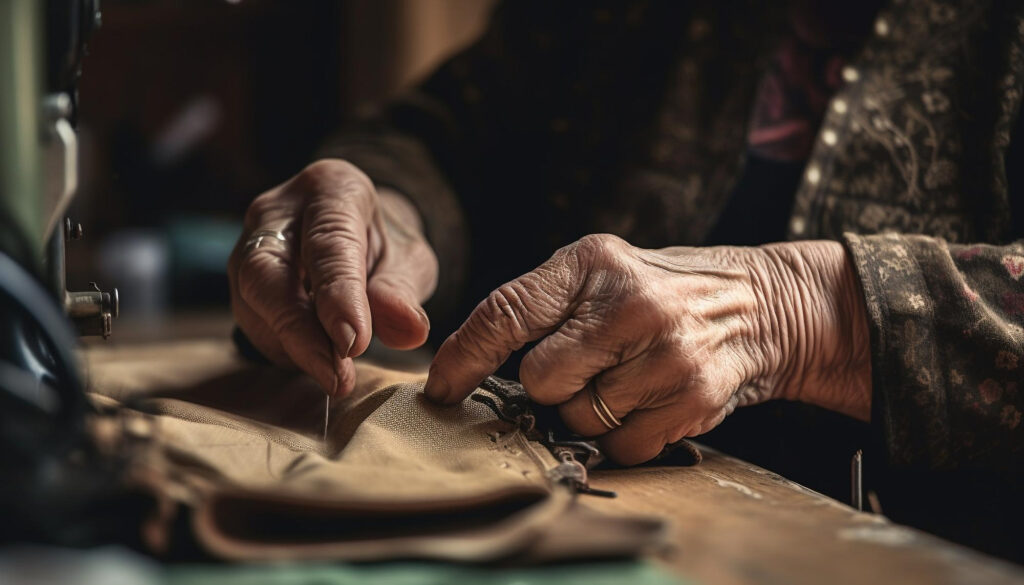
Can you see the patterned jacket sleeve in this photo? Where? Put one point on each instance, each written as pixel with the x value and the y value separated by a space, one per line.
pixel 947 341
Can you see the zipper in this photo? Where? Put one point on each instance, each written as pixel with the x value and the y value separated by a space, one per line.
pixel 510 403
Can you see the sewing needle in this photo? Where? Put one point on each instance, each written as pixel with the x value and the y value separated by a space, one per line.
pixel 335 356
pixel 327 414
pixel 327 406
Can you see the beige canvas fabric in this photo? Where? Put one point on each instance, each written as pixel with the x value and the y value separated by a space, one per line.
pixel 241 447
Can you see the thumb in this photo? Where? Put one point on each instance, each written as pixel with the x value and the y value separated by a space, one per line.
pixel 398 319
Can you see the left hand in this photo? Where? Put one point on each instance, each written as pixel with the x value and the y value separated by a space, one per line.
pixel 672 340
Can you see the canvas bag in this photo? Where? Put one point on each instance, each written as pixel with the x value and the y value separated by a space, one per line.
pixel 240 447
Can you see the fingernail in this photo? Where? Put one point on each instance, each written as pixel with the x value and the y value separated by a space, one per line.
pixel 437 388
pixel 348 336
pixel 423 316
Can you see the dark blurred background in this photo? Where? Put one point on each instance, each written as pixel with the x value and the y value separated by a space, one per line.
pixel 190 108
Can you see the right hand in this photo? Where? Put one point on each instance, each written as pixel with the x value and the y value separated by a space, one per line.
pixel 354 263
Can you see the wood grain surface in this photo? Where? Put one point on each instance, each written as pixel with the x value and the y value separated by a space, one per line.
pixel 734 522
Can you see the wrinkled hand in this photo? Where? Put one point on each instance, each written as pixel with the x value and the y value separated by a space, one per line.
pixel 353 263
pixel 671 340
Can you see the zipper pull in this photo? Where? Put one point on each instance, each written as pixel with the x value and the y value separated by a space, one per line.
pixel 573 474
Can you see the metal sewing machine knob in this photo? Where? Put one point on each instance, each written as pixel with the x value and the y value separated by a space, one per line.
pixel 93 311
pixel 72 230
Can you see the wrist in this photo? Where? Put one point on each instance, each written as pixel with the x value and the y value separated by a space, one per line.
pixel 822 333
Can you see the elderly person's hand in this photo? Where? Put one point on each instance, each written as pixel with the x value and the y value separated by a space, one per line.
pixel 671 341
pixel 324 261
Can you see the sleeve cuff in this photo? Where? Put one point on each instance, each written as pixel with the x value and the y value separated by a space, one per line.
pixel 909 393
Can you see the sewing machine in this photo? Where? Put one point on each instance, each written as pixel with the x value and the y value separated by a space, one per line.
pixel 42 405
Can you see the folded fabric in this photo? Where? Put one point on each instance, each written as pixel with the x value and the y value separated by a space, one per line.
pixel 240 447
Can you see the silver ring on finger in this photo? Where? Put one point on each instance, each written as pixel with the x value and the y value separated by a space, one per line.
pixel 260 237
pixel 604 414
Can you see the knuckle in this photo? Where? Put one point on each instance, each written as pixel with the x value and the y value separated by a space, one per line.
pixel 325 169
pixel 330 222
pixel 598 246
pixel 502 314
pixel 332 176
pixel 338 166
pixel 334 250
pixel 330 273
pixel 261 206
pixel 333 229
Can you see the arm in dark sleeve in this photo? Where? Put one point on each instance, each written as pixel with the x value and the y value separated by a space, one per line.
pixel 947 342
pixel 947 320
pixel 480 145
pixel 437 143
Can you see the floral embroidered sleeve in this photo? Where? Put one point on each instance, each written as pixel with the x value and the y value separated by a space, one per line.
pixel 947 341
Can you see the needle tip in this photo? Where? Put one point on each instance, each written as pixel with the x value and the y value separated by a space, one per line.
pixel 327 415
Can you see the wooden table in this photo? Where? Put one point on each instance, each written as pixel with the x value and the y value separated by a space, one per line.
pixel 734 522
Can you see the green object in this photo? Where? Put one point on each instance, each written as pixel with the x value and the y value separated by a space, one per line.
pixel 21 200
pixel 199 248
pixel 202 244
pixel 610 573
pixel 116 565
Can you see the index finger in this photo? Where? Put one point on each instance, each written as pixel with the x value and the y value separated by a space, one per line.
pixel 335 250
pixel 522 310
pixel 264 280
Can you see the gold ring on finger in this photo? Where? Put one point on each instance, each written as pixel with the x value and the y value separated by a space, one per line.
pixel 602 411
